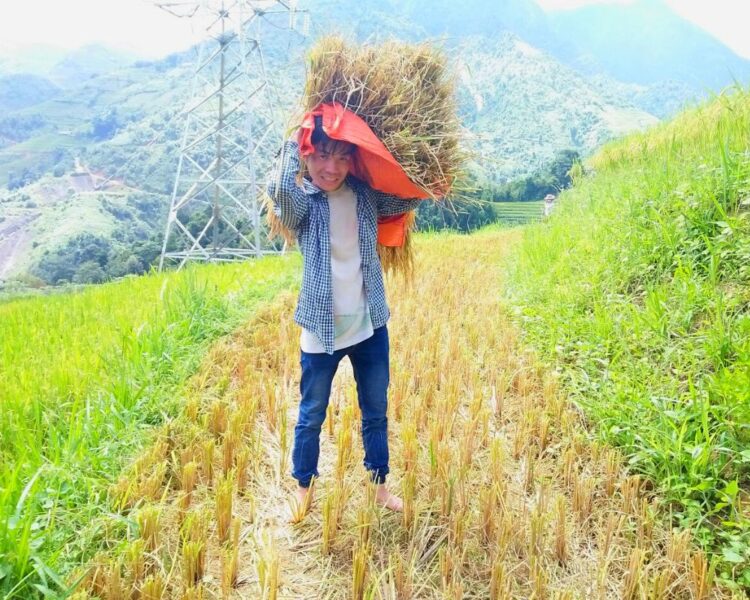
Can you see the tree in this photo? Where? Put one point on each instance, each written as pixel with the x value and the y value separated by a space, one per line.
pixel 89 272
pixel 463 215
pixel 64 262
pixel 560 167
pixel 104 126
pixel 551 179
pixel 25 177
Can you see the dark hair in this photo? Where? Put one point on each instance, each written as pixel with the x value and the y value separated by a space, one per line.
pixel 321 141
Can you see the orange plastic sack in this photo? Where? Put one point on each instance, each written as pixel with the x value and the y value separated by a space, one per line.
pixel 373 163
pixel 392 230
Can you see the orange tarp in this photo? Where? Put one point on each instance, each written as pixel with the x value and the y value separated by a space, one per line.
pixel 373 163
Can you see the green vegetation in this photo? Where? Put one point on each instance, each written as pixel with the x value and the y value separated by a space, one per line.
pixel 638 289
pixel 84 376
pixel 462 215
pixel 514 203
pixel 550 179
pixel 21 90
pixel 518 213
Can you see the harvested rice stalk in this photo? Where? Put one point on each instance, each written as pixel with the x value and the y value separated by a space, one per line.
pixel 135 561
pixel 634 574
pixel 241 462
pixel 154 587
pixel 561 538
pixel 193 593
pixel 193 562
pixel 360 559
pixel 402 570
pixel 115 586
pixel 148 520
pixel 330 515
pixel 499 583
pixel 224 506
pixel 701 575
pixel 230 561
pixel 267 567
pixel 408 488
pixel 405 93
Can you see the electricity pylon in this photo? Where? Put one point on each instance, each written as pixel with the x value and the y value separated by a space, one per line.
pixel 231 128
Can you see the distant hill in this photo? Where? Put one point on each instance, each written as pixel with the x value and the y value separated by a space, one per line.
pixel 35 59
pixel 663 99
pixel 646 43
pixel 521 100
pixel 88 61
pixel 478 17
pixel 22 90
pixel 523 106
pixel 643 52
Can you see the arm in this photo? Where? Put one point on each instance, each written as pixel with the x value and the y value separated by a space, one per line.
pixel 389 205
pixel 290 201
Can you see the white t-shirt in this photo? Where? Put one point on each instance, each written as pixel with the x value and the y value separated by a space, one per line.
pixel 351 316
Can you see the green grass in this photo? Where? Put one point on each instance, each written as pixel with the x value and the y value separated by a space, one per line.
pixel 518 213
pixel 638 289
pixel 27 154
pixel 84 376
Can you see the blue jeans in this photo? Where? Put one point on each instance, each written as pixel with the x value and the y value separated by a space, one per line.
pixel 371 372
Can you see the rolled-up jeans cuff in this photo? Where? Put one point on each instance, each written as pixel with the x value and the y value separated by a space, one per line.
pixel 305 483
pixel 378 475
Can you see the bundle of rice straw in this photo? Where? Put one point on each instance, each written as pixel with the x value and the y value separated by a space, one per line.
pixel 406 96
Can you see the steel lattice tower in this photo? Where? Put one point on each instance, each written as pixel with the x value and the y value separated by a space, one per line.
pixel 233 120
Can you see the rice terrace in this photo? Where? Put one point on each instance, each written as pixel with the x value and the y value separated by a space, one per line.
pixel 565 257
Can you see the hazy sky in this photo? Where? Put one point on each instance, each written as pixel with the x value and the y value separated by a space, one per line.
pixel 140 26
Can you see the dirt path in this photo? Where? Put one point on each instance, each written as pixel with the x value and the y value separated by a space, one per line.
pixel 505 495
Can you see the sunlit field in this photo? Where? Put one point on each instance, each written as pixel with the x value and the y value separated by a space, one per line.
pixel 637 291
pixel 505 495
pixel 518 213
pixel 82 374
pixel 568 411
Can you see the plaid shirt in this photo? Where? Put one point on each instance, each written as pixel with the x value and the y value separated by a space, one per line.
pixel 304 209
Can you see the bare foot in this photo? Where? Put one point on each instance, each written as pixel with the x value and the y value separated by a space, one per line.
pixel 300 503
pixel 384 498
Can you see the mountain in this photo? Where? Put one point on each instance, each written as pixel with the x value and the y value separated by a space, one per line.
pixel 479 17
pixel 645 42
pixel 62 67
pixel 88 61
pixel 22 90
pixel 522 106
pixel 662 99
pixel 642 51
pixel 446 20
pixel 521 100
pixel 34 59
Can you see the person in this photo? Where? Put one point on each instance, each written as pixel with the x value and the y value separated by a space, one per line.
pixel 549 204
pixel 342 305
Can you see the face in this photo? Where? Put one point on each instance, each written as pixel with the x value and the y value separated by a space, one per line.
pixel 328 167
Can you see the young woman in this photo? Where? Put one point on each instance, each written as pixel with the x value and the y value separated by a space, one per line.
pixel 342 306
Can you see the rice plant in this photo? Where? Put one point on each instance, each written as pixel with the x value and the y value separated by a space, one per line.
pixel 83 374
pixel 484 522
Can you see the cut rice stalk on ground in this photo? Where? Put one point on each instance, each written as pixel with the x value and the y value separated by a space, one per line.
pixel 506 495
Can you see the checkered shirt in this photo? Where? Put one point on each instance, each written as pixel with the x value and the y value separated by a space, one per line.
pixel 304 209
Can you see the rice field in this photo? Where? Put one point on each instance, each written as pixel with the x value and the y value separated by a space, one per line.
pixel 638 291
pixel 505 495
pixel 518 213
pixel 146 429
pixel 84 375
